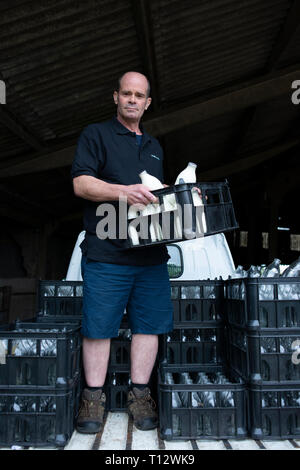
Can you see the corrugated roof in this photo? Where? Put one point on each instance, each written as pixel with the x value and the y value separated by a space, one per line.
pixel 60 60
pixel 202 45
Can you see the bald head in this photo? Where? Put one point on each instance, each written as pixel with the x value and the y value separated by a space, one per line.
pixel 132 98
pixel 135 76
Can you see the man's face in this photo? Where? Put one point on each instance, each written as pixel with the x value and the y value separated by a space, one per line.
pixel 131 99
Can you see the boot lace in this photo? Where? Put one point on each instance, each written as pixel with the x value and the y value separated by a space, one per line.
pixel 144 403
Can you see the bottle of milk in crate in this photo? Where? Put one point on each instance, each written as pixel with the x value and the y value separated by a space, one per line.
pixel 153 183
pixel 188 175
pixel 290 291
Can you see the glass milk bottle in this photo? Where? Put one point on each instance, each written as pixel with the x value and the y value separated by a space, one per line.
pixel 291 291
pixel 293 270
pixel 266 292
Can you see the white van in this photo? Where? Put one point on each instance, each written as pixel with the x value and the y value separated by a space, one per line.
pixel 200 258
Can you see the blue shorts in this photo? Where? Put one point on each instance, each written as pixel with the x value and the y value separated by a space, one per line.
pixel 109 289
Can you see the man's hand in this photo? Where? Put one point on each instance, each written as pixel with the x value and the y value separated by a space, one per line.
pixel 198 190
pixel 138 194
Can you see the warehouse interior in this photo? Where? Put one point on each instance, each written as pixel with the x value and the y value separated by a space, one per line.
pixel 223 77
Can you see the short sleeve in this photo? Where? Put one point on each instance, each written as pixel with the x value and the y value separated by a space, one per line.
pixel 89 155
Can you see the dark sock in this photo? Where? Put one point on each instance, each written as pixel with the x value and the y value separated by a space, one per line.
pixel 93 389
pixel 139 386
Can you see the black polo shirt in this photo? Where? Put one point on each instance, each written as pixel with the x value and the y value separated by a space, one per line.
pixel 111 152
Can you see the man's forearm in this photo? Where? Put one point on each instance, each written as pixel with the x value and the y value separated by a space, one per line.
pixel 93 189
pixel 97 190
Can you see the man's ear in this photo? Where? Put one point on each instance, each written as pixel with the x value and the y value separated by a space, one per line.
pixel 148 102
pixel 115 96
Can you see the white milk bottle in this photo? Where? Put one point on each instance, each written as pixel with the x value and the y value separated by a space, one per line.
pixel 133 235
pixel 153 183
pixel 188 175
pixel 170 204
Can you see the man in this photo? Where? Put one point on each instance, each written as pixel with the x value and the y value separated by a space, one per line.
pixel 106 168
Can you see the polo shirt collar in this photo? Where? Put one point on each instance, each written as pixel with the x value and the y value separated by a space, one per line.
pixel 120 129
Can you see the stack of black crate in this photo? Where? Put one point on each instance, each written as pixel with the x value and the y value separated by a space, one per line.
pixel 39 383
pixel 40 370
pixel 118 372
pixel 199 396
pixel 263 318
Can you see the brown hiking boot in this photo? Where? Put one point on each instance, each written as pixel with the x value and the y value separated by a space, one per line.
pixel 141 406
pixel 90 417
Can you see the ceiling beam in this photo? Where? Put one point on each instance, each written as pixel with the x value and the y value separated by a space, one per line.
pixel 142 19
pixel 44 162
pixel 283 41
pixel 247 94
pixel 285 37
pixel 12 4
pixel 9 121
pixel 245 163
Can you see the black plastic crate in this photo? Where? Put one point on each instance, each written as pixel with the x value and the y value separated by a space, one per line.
pixel 255 303
pixel 198 301
pixel 200 345
pixel 120 349
pixel 40 354
pixel 38 417
pixel 237 351
pixel 274 411
pixel 117 385
pixel 201 410
pixel 217 210
pixel 60 300
pixel 264 355
pixel 116 389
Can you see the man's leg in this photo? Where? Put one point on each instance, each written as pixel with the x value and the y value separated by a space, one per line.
pixel 143 354
pixel 95 360
pixel 140 404
pixel 150 314
pixel 106 289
